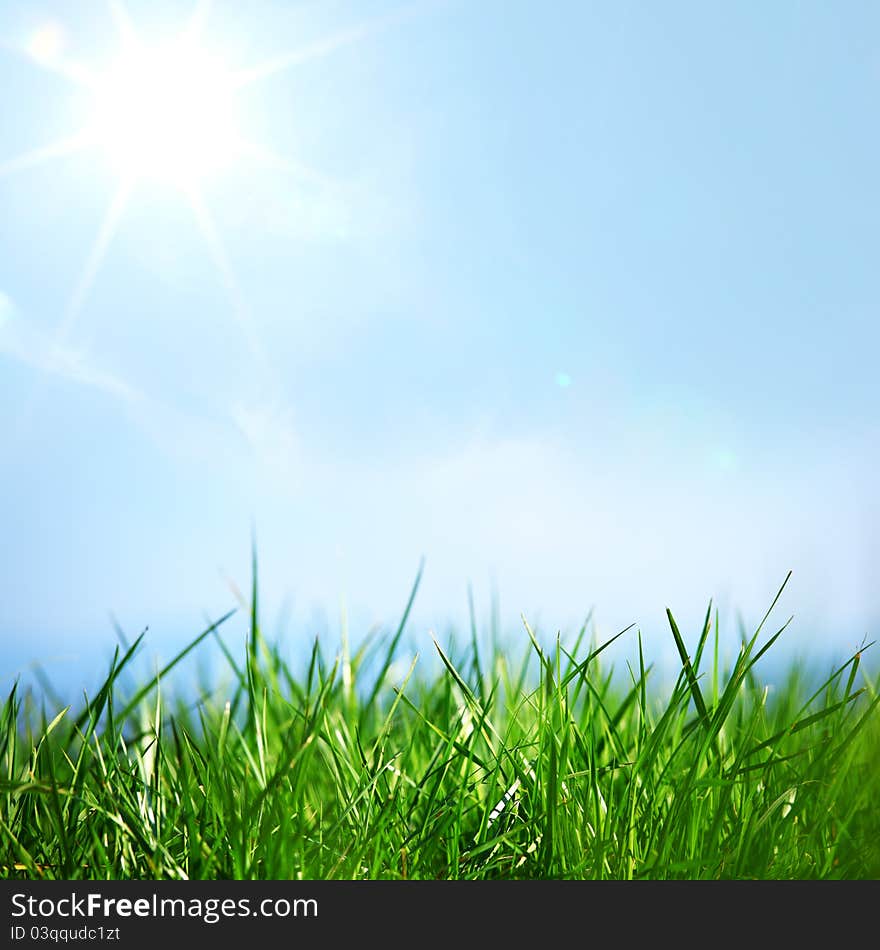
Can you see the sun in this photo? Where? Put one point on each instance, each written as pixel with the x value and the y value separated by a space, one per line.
pixel 166 113
pixel 170 113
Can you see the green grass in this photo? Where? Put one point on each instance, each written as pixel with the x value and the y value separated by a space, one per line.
pixel 478 765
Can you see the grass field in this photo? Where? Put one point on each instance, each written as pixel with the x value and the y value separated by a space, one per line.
pixel 544 765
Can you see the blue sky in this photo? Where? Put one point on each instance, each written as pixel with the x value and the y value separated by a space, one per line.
pixel 576 300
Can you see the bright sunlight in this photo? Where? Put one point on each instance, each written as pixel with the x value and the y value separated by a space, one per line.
pixel 166 113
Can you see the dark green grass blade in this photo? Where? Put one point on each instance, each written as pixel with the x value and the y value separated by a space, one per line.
pixel 696 693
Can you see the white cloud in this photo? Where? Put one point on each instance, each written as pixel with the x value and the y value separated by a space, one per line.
pixel 5 308
pixel 560 528
pixel 177 433
pixel 24 342
pixel 267 428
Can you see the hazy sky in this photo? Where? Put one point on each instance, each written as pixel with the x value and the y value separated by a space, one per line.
pixel 576 300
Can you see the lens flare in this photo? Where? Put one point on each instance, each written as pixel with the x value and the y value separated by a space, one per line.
pixel 46 43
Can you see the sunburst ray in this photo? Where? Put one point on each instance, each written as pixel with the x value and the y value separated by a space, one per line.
pixel 199 19
pixel 73 72
pixel 325 47
pixel 268 158
pixel 240 309
pixel 55 350
pixel 92 267
pixel 122 21
pixel 47 153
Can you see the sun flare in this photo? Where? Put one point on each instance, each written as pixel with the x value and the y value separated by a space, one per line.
pixel 166 113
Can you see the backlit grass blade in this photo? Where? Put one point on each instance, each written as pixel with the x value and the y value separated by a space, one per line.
pixel 395 640
pixel 151 685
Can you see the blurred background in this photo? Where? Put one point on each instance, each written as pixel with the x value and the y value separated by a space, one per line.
pixel 577 301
